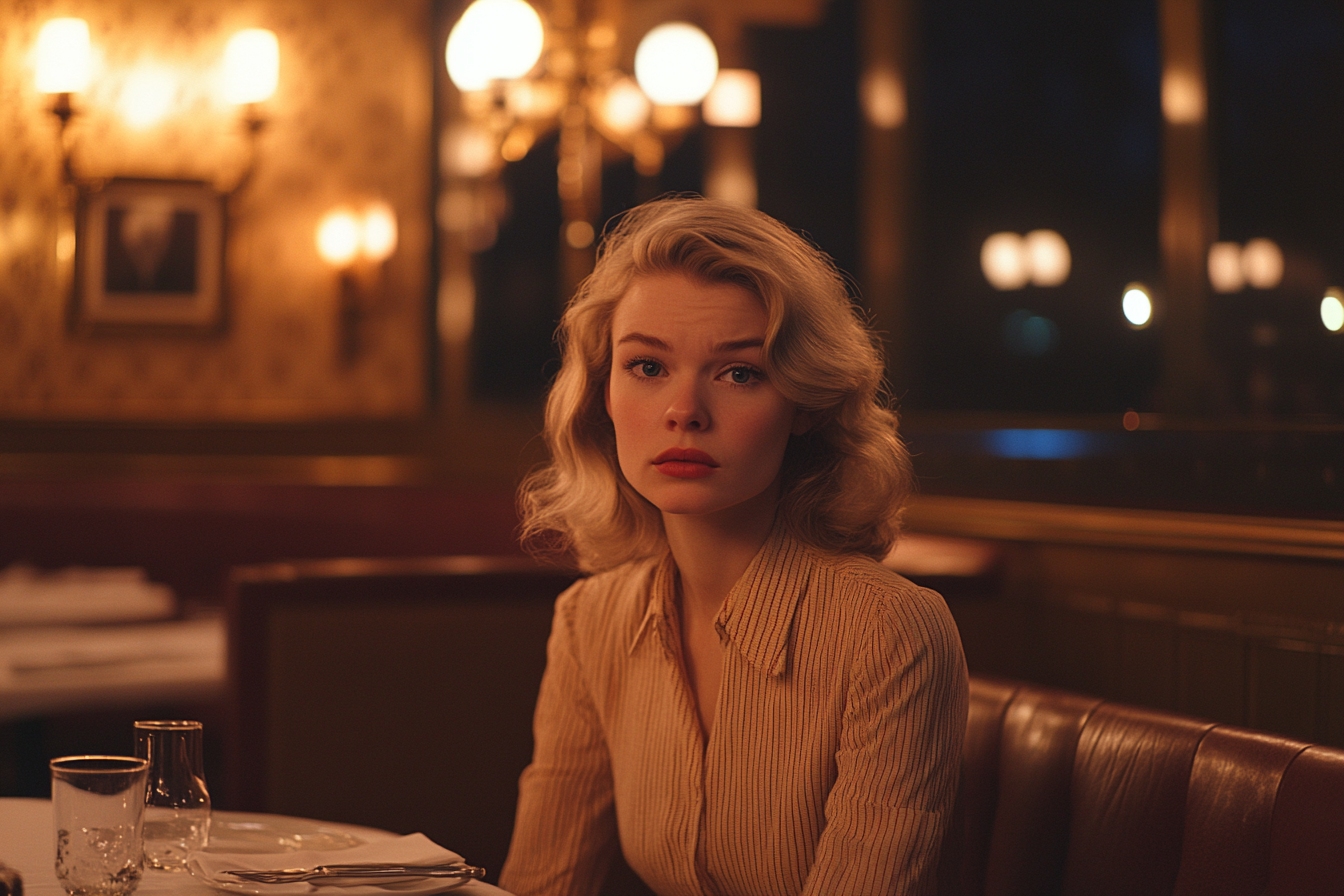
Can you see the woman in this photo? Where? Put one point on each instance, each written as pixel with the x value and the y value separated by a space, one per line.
pixel 740 692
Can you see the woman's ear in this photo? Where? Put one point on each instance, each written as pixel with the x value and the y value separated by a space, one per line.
pixel 802 422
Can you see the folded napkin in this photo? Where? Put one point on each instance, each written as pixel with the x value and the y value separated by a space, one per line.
pixel 412 849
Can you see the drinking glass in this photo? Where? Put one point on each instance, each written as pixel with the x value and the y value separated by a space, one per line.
pixel 98 805
pixel 177 803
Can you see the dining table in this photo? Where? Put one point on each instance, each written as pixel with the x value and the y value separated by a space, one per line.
pixel 28 844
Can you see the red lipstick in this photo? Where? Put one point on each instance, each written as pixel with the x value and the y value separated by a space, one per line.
pixel 685 463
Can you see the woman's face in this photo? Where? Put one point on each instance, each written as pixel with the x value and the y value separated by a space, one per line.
pixel 700 429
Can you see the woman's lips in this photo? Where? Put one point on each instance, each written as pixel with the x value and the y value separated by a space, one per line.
pixel 685 463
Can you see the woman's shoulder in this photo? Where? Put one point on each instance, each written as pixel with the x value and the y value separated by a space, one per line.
pixel 878 591
pixel 614 597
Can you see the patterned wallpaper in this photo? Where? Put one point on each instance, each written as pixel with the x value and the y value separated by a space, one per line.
pixel 349 124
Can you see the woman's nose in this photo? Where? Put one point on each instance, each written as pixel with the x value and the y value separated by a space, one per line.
pixel 686 408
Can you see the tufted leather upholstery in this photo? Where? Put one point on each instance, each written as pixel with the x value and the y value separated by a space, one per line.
pixel 1071 795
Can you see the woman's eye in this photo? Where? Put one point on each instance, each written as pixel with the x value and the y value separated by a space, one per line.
pixel 741 376
pixel 643 367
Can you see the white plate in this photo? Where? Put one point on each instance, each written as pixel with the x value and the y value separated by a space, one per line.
pixel 238 833
pixel 235 832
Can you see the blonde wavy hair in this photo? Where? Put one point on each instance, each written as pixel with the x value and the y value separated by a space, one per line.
pixel 844 482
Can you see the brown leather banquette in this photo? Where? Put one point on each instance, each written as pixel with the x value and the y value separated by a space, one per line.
pixel 1066 794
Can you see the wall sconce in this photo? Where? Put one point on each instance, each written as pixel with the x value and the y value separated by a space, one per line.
pixel 64 67
pixel 357 245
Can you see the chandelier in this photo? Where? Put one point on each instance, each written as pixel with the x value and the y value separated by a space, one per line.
pixel 521 79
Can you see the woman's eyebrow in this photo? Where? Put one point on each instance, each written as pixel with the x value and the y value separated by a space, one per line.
pixel 650 341
pixel 737 345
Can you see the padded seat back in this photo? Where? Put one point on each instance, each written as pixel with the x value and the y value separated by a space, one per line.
pixel 1066 794
pixel 391 693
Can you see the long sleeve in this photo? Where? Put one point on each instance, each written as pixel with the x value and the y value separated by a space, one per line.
pixel 899 755
pixel 565 833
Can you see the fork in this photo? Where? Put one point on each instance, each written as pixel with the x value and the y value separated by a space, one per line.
pixel 367 870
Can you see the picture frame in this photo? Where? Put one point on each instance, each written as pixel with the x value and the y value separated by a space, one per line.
pixel 149 256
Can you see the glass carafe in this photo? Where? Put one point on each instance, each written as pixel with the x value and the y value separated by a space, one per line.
pixel 177 803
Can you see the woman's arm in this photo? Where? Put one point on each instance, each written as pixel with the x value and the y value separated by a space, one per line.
pixel 564 835
pixel 899 758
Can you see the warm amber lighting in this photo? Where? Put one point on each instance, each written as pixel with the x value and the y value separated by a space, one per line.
pixel 1262 263
pixel 1137 305
pixel 251 66
pixel 676 64
pixel 735 99
pixel 64 56
pixel 148 96
pixel 1332 310
pixel 467 150
pixel 882 95
pixel 1225 274
pixel 1003 259
pixel 625 108
pixel 494 40
pixel 1131 420
pixel 378 238
pixel 1048 257
pixel 339 235
pixel 1183 99
pixel 579 234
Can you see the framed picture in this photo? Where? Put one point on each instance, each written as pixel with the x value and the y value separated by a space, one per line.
pixel 150 254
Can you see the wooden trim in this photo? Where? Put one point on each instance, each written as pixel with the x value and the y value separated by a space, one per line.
pixel 1126 528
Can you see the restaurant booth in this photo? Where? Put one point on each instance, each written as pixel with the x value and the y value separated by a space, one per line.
pixel 278 286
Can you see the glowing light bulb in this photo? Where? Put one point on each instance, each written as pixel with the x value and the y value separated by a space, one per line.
pixel 735 99
pixel 1137 305
pixel 1048 257
pixel 625 108
pixel 1262 263
pixel 882 95
pixel 1225 273
pixel 676 64
pixel 1183 99
pixel 339 235
pixel 494 40
pixel 378 233
pixel 1003 259
pixel 64 56
pixel 251 66
pixel 1332 310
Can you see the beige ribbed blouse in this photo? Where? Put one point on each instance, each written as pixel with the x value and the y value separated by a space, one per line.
pixel 834 757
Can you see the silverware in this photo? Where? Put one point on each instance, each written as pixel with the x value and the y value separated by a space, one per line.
pixel 366 872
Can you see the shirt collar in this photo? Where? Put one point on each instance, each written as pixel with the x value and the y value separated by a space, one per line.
pixel 758 615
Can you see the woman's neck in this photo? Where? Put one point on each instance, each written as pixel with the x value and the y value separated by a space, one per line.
pixel 712 551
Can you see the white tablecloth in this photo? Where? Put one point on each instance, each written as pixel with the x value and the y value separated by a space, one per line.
pixel 27 843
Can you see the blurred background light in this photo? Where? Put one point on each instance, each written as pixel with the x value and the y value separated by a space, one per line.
pixel 1183 98
pixel 64 56
pixel 735 99
pixel 494 40
pixel 1003 259
pixel 1332 310
pixel 625 108
pixel 1225 273
pixel 882 96
pixel 1030 335
pixel 1262 263
pixel 251 66
pixel 676 64
pixel 1048 257
pixel 378 232
pixel 339 234
pixel 1137 305
pixel 148 96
